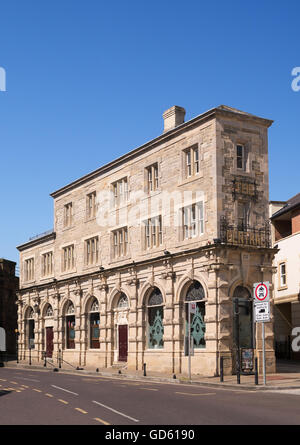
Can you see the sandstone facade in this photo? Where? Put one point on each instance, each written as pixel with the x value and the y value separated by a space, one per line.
pixel 197 167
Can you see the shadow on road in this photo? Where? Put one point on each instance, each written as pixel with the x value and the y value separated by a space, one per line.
pixel 4 392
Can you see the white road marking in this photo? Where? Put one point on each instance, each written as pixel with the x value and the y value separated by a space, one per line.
pixel 66 390
pixel 25 378
pixel 115 411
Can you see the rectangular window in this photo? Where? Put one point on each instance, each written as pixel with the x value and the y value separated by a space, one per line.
pixel 243 215
pixel 193 220
pixel 240 157
pixel 68 258
pixel 47 264
pixel 120 242
pixel 29 269
pixel 91 250
pixel 282 271
pixel 153 232
pixel 68 214
pixel 152 177
pixel 192 166
pixel 91 205
pixel 120 191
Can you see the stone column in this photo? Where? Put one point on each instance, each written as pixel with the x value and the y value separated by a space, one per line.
pixel 132 325
pixel 103 288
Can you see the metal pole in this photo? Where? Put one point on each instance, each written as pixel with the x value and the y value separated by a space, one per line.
pixel 59 358
pixel 237 339
pixel 17 345
pixel 29 353
pixel 256 371
pixel 145 370
pixel 264 352
pixel 189 325
pixel 221 370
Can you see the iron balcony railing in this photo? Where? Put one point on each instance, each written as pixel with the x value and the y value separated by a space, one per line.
pixel 244 235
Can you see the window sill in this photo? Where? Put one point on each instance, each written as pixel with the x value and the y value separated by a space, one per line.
pixel 191 179
pixel 68 272
pixel 26 283
pixel 48 277
pixel 92 218
pixel 148 195
pixel 282 288
pixel 151 251
pixel 120 259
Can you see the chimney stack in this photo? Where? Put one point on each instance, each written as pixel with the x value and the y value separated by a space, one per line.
pixel 173 117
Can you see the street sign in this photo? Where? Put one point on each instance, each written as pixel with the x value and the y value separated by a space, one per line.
pixel 262 312
pixel 261 292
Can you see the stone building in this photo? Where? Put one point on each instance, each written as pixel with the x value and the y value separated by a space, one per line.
pixel 285 218
pixel 181 218
pixel 8 309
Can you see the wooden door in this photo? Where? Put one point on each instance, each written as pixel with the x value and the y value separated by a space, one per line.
pixel 49 342
pixel 123 342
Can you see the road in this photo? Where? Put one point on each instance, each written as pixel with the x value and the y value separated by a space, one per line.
pixel 30 397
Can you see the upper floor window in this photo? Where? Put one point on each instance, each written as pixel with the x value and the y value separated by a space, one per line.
pixel 191 161
pixel 68 258
pixel 120 191
pixel 120 242
pixel 152 177
pixel 282 274
pixel 47 263
pixel 153 232
pixel 193 220
pixel 91 205
pixel 29 269
pixel 241 160
pixel 68 214
pixel 91 250
pixel 243 215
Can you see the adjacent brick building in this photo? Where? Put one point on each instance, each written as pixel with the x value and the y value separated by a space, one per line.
pixel 285 217
pixel 8 308
pixel 182 218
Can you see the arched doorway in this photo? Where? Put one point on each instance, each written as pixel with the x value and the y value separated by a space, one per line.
pixel 48 323
pixel 121 328
pixel 245 317
pixel 195 293
pixel 94 325
pixel 70 326
pixel 155 317
pixel 30 328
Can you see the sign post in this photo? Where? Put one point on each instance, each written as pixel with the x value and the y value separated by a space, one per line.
pixel 262 314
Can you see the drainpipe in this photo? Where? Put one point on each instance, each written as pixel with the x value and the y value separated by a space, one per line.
pixel 217 327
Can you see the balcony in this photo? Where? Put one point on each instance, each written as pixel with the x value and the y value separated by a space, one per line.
pixel 241 235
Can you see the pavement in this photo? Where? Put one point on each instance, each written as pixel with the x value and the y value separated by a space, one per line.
pixel 287 376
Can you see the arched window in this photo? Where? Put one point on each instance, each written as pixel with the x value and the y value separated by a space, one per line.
pixel 49 311
pixel 195 293
pixel 155 320
pixel 71 309
pixel 245 317
pixel 70 326
pixel 94 325
pixel 123 301
pixel 30 327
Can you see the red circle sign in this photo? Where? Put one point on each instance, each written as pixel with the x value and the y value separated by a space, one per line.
pixel 266 292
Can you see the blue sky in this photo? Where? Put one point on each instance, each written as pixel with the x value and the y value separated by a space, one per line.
pixel 89 80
